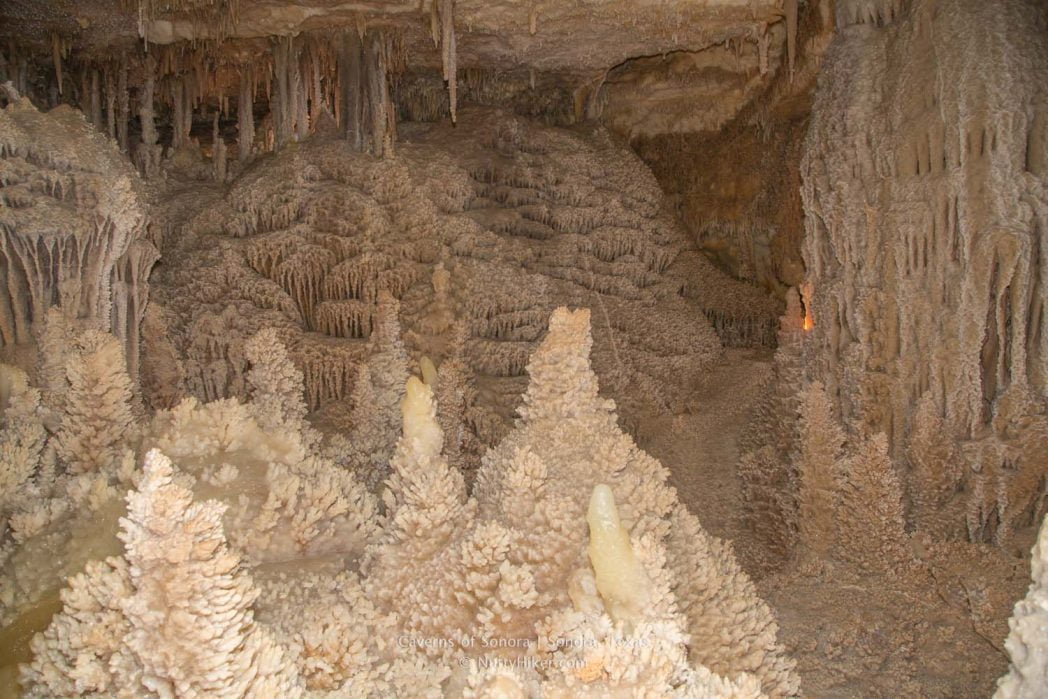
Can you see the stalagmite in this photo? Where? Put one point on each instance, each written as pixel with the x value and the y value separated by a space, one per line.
pixel 218 151
pixel 620 578
pixel 1027 643
pixel 420 423
pixel 651 239
pixel 428 371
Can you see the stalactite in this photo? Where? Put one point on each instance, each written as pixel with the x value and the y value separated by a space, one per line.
pixel 149 155
pixel 131 296
pixel 791 32
pixel 245 114
pixel 124 105
pixel 299 90
pixel 316 100
pixel 178 106
pixel 190 95
pixel 378 91
pixel 96 99
pixel 67 258
pixel 83 97
pixel 434 22
pixel 449 53
pixel 763 41
pixel 110 84
pixel 351 83
pixel 278 103
pixel 56 57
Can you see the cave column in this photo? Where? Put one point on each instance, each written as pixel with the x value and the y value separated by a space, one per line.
pixel 351 84
pixel 96 99
pixel 110 84
pixel 218 150
pixel 245 114
pixel 149 156
pixel 124 105
pixel 278 103
pixel 379 103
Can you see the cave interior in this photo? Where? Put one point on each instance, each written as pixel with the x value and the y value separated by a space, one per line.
pixel 505 348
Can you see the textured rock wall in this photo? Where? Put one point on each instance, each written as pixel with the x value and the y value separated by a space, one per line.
pixel 924 187
pixel 478 230
pixel 733 165
pixel 72 229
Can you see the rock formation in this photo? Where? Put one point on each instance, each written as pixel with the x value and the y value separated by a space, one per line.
pixel 292 401
pixel 504 578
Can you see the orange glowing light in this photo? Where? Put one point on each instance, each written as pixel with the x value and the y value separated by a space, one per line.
pixel 808 323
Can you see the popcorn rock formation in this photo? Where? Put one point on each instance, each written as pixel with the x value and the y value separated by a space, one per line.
pixel 1028 674
pixel 172 618
pixel 503 574
pixel 353 349
pixel 478 232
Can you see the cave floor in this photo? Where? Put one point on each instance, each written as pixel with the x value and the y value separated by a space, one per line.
pixel 853 633
pixel 700 445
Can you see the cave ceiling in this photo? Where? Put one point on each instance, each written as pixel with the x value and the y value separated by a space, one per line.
pixel 581 37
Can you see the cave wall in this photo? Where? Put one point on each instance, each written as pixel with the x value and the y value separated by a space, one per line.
pixel 737 194
pixel 73 231
pixel 733 166
pixel 924 179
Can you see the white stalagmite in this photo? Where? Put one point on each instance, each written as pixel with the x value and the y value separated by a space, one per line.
pixel 172 617
pixel 420 418
pixel 1027 643
pixel 429 372
pixel 621 580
